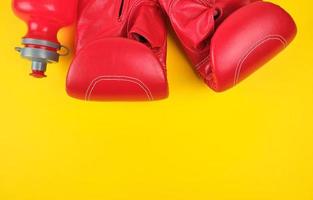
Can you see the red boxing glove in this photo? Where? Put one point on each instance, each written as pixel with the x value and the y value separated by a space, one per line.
pixel 120 51
pixel 227 40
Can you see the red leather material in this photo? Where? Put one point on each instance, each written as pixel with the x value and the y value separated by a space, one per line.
pixel 120 52
pixel 138 78
pixel 259 32
pixel 227 40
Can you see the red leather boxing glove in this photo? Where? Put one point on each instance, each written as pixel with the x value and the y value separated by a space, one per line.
pixel 227 40
pixel 120 51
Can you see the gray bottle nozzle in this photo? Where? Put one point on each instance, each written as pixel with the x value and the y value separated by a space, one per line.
pixel 39 57
pixel 38 69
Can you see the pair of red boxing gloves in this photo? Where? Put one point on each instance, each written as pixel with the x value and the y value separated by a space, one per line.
pixel 121 45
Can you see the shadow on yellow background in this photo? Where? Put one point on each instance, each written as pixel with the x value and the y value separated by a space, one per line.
pixel 254 142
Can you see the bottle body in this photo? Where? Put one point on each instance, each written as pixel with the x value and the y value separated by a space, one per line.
pixel 44 19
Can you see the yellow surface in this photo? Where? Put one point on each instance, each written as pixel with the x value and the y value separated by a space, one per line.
pixel 252 142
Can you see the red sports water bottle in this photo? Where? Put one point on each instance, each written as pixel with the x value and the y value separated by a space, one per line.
pixel 44 19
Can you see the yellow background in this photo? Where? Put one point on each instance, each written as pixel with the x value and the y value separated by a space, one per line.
pixel 254 142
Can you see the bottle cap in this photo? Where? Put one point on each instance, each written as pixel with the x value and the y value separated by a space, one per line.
pixel 40 53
